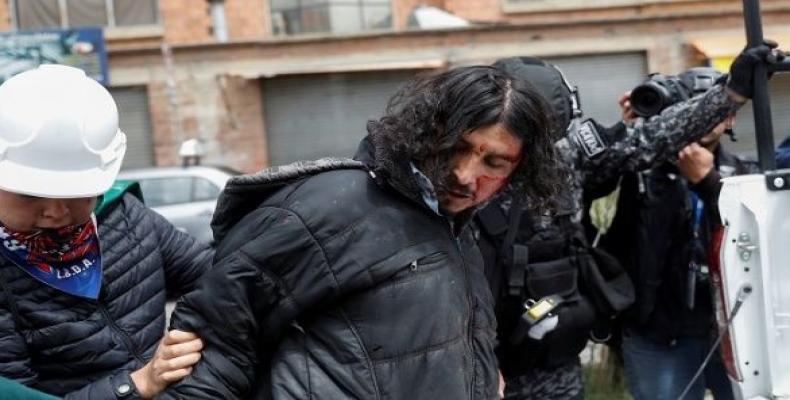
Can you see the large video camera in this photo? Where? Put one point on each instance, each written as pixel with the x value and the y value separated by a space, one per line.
pixel 661 91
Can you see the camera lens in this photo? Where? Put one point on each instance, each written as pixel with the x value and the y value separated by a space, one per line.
pixel 647 100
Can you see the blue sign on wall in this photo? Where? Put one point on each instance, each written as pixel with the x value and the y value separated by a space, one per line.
pixel 80 47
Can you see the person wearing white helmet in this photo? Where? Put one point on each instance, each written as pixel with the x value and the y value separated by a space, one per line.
pixel 85 267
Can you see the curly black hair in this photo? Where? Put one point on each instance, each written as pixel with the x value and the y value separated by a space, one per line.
pixel 426 119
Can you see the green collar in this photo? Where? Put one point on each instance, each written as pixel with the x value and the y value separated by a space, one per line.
pixel 115 193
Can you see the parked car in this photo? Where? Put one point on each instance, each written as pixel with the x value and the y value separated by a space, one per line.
pixel 186 196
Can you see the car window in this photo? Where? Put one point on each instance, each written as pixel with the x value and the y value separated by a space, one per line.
pixel 204 190
pixel 164 191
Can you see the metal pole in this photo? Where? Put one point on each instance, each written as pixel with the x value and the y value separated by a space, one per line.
pixel 176 128
pixel 761 105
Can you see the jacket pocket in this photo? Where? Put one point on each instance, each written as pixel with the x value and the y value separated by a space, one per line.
pixel 408 262
pixel 417 267
pixel 557 277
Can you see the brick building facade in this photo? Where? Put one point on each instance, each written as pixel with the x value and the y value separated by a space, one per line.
pixel 258 81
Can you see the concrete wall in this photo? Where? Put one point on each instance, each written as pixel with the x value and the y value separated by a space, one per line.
pixel 217 90
pixel 223 111
pixel 5 16
pixel 226 112
pixel 402 8
pixel 186 21
pixel 247 19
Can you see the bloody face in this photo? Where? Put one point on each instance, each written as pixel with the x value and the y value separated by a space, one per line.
pixel 483 162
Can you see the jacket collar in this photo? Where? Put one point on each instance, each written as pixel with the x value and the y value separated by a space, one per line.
pixel 398 172
pixel 389 168
pixel 244 193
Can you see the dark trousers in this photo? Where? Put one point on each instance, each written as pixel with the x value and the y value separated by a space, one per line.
pixel 564 382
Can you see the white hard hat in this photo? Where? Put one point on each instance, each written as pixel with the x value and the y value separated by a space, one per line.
pixel 191 148
pixel 59 135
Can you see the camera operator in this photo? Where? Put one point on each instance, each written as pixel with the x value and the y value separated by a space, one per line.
pixel 666 219
pixel 550 286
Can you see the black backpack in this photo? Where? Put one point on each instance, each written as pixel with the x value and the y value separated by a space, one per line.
pixel 521 266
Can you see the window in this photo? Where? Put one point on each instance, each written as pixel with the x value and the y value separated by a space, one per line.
pixel 38 14
pixel 560 5
pixel 219 25
pixel 165 191
pixel 177 190
pixel 291 17
pixel 204 190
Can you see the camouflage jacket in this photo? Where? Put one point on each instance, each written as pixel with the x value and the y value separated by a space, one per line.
pixel 596 157
pixel 594 168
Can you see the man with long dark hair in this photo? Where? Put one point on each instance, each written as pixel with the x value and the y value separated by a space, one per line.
pixel 360 278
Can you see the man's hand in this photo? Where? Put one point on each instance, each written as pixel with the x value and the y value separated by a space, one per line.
pixel 501 391
pixel 695 162
pixel 173 360
pixel 626 111
pixel 740 83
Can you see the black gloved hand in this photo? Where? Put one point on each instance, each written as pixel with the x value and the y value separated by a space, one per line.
pixel 741 77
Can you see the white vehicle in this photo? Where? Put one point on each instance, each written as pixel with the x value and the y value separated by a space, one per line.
pixel 186 196
pixel 756 273
pixel 755 257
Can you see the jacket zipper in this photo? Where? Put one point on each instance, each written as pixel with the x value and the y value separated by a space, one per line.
pixel 469 303
pixel 426 264
pixel 127 341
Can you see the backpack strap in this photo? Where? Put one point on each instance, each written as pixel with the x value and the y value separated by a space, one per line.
pixel 515 257
pixel 492 220
pixel 503 228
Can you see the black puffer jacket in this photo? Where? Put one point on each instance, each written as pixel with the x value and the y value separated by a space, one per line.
pixel 345 288
pixel 82 349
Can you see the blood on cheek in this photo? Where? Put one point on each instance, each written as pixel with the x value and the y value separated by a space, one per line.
pixel 488 185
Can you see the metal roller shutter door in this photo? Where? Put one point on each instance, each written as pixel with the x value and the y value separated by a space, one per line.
pixel 135 122
pixel 602 79
pixel 779 88
pixel 314 116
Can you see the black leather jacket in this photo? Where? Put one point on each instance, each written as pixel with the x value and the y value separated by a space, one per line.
pixel 333 284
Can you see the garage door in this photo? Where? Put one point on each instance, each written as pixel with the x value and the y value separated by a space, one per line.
pixel 135 121
pixel 314 116
pixel 779 88
pixel 602 79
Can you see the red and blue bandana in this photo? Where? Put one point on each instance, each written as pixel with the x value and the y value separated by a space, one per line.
pixel 67 259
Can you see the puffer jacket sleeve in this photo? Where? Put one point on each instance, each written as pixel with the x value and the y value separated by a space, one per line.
pixel 105 388
pixel 185 259
pixel 15 362
pixel 270 270
pixel 14 357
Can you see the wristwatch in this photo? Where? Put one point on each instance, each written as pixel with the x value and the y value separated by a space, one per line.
pixel 123 386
